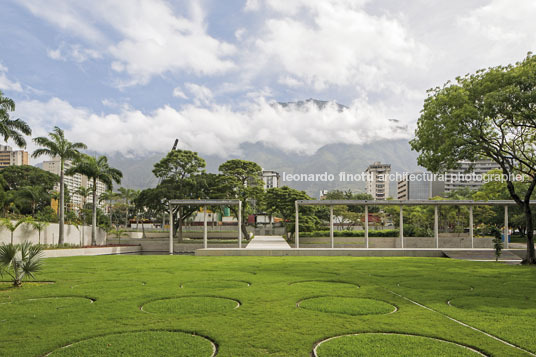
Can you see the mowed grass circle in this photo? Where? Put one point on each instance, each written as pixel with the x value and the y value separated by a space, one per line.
pixel 495 305
pixel 190 305
pixel 215 284
pixel 347 305
pixel 381 345
pixel 141 344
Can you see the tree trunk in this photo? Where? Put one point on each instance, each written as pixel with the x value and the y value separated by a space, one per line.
pixel 245 233
pixel 94 217
pixel 530 257
pixel 126 214
pixel 62 204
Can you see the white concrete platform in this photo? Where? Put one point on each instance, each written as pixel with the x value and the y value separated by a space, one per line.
pixel 268 242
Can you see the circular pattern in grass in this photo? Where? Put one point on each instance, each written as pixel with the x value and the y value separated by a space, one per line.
pixel 434 285
pixel 495 305
pixel 347 305
pixel 390 344
pixel 324 284
pixel 137 344
pixel 190 305
pixel 216 284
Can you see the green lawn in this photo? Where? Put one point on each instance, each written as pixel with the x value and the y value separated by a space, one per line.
pixel 276 306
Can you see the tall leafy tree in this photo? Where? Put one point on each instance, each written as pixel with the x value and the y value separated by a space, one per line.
pixel 56 145
pixel 244 182
pixel 488 114
pixel 13 129
pixel 96 169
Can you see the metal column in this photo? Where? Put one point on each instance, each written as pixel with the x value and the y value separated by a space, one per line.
pixel 366 226
pixel 239 224
pixel 331 227
pixel 471 228
pixel 506 226
pixel 170 229
pixel 401 227
pixel 436 226
pixel 205 232
pixel 297 227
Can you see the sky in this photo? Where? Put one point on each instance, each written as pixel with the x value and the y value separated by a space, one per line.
pixel 130 76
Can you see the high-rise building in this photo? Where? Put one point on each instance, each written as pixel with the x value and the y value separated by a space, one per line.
pixel 270 179
pixel 10 157
pixel 419 186
pixel 74 182
pixel 468 174
pixel 377 175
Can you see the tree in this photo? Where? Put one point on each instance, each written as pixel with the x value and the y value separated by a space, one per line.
pixel 182 176
pixel 243 181
pixel 16 177
pixel 95 169
pixel 12 128
pixel 39 226
pixel 34 195
pixel 56 145
pixel 20 260
pixel 489 114
pixel 109 196
pixel 281 201
pixel 12 227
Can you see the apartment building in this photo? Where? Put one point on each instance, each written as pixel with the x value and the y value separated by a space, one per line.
pixel 377 185
pixel 10 157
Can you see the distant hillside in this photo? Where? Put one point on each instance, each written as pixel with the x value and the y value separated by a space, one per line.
pixel 330 158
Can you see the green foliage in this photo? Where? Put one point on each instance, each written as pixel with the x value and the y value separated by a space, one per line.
pixel 95 168
pixel 488 114
pixel 16 177
pixel 19 260
pixel 13 129
pixel 179 164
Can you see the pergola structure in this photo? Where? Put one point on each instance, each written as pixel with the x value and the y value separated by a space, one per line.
pixel 204 203
pixel 436 204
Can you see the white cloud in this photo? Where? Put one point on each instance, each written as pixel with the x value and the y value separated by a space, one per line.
pixel 73 52
pixel 6 83
pixel 212 130
pixel 201 94
pixel 335 43
pixel 147 38
pixel 178 93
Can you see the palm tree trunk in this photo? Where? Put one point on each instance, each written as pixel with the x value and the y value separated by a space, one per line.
pixel 94 218
pixel 62 204
pixel 126 214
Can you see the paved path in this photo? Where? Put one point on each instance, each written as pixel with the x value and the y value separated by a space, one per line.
pixel 268 242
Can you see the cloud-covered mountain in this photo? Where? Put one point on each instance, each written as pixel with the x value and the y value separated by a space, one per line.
pixel 332 159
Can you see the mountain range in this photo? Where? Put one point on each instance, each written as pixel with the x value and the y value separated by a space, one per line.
pixel 331 159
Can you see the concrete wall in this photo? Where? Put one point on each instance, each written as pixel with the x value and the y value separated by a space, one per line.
pixel 49 235
pixel 388 242
pixel 57 253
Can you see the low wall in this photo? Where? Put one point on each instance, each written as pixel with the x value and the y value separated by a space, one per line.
pixel 392 242
pixel 57 253
pixel 72 235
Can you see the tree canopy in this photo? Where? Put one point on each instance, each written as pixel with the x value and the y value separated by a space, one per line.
pixel 489 114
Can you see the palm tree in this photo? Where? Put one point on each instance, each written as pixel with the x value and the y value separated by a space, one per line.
pixel 96 169
pixel 32 194
pixel 39 226
pixel 58 146
pixel 109 196
pixel 128 195
pixel 20 260
pixel 12 128
pixel 12 227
